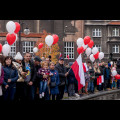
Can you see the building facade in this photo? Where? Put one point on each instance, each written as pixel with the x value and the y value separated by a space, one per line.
pixel 67 30
pixel 106 36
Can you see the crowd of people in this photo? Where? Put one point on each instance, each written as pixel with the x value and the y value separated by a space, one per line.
pixel 24 78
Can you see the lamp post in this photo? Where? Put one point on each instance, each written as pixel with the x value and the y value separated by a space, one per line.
pixel 26 32
pixel 64 33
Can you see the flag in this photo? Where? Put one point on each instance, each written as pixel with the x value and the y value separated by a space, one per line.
pixel 68 57
pixel 60 55
pixel 85 68
pixel 77 68
pixel 100 80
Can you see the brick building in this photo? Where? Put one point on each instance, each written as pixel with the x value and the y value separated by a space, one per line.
pixel 67 30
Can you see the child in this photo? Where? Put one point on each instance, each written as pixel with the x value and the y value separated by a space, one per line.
pixel 44 71
pixel 54 76
pixel 113 84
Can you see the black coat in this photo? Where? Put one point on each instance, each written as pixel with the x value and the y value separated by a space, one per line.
pixel 38 76
pixel 33 70
pixel 61 70
pixel 71 77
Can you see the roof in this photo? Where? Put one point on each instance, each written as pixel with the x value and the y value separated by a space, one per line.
pixel 114 23
pixel 31 35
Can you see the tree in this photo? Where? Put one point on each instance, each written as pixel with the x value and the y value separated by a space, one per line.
pixel 45 51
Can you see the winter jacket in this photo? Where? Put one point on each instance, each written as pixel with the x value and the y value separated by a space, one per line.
pixel 38 76
pixel 54 78
pixel 92 74
pixel 2 76
pixel 107 73
pixel 61 70
pixel 33 70
pixel 10 73
pixel 71 77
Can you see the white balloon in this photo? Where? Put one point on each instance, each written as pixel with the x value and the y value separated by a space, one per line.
pixel 10 26
pixel 101 55
pixel 6 49
pixel 35 49
pixel 92 58
pixel 94 50
pixel 79 42
pixel 49 40
pixel 114 73
pixel 84 46
pixel 88 51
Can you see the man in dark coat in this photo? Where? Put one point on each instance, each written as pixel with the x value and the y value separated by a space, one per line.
pixel 37 61
pixel 62 75
pixel 28 66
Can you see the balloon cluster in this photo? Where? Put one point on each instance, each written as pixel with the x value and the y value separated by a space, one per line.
pixel 13 28
pixel 86 45
pixel 49 40
pixel 115 74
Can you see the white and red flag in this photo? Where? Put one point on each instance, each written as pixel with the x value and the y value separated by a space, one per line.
pixel 85 68
pixel 100 80
pixel 68 57
pixel 77 68
pixel 60 55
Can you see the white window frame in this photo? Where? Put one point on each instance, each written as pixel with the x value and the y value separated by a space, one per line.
pixel 96 32
pixel 115 47
pixel 99 47
pixel 26 47
pixel 69 50
pixel 115 32
pixel 13 49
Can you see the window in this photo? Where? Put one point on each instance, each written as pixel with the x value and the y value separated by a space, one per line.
pixel 28 46
pixel 115 49
pixel 13 49
pixel 115 32
pixel 96 32
pixel 69 50
pixel 99 47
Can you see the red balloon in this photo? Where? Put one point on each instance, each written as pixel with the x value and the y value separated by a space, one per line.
pixel 96 55
pixel 55 38
pixel 0 47
pixel 40 45
pixel 117 76
pixel 11 38
pixel 80 49
pixel 86 40
pixel 91 43
pixel 17 27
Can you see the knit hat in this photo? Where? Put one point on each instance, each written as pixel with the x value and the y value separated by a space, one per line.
pixel 37 58
pixel 18 56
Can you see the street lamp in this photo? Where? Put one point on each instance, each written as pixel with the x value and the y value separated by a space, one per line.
pixel 26 32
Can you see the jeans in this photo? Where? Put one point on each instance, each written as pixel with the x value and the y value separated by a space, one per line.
pixel 9 93
pixel 113 84
pixel 91 86
pixel 71 89
pixel 43 86
pixel 118 83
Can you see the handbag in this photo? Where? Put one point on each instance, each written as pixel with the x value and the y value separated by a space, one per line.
pixel 53 84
